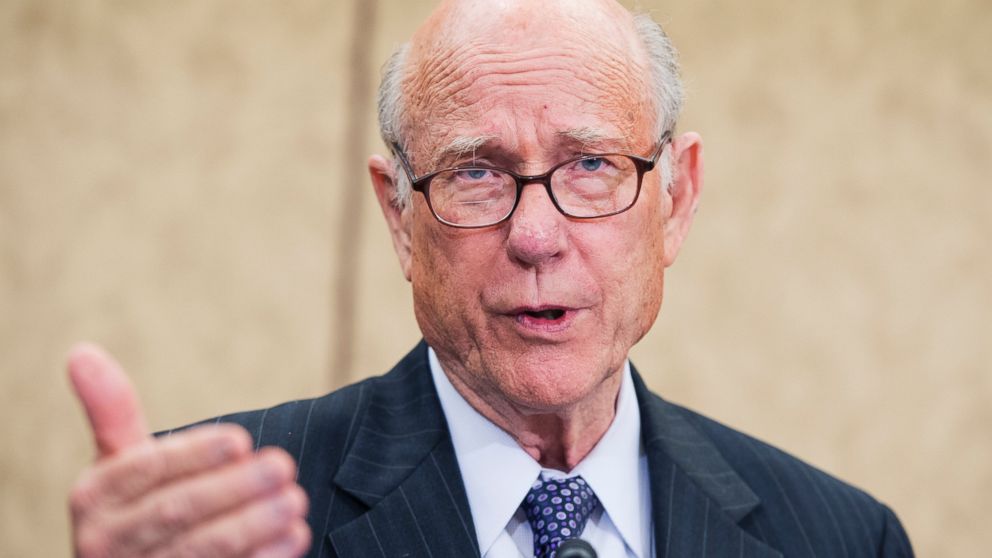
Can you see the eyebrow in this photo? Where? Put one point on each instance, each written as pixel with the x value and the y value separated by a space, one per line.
pixel 597 137
pixel 460 146
pixel 581 137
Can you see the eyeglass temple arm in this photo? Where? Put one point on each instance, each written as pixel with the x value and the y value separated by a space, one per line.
pixel 398 152
pixel 665 139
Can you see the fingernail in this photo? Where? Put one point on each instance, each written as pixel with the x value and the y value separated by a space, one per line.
pixel 224 450
pixel 286 546
pixel 270 473
pixel 284 506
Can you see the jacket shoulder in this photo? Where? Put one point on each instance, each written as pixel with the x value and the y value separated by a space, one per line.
pixel 803 508
pixel 319 432
pixel 293 425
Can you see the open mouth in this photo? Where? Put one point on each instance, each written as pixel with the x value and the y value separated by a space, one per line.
pixel 545 318
pixel 542 320
pixel 548 314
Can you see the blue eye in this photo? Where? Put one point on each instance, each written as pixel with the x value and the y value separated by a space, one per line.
pixel 593 164
pixel 473 175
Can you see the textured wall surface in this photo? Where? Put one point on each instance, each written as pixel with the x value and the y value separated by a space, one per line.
pixel 172 182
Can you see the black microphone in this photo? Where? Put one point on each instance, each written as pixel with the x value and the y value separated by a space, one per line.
pixel 575 548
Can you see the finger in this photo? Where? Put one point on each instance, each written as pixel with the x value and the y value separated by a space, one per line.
pixel 182 506
pixel 293 544
pixel 133 473
pixel 240 532
pixel 109 399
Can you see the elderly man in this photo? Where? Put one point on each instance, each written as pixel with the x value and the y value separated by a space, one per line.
pixel 535 196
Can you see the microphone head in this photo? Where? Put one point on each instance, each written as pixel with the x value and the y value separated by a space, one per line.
pixel 575 548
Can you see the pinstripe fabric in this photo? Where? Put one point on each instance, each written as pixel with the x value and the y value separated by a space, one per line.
pixel 779 504
pixel 377 462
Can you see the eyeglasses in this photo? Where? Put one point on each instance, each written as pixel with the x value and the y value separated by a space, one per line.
pixel 586 187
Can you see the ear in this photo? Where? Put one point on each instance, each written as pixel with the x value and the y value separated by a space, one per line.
pixel 384 182
pixel 687 183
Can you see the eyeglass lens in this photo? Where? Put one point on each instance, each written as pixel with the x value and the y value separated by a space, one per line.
pixel 587 187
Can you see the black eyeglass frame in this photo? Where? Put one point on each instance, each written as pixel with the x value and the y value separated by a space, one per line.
pixel 422 184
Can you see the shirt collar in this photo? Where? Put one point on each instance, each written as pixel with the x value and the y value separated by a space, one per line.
pixel 497 472
pixel 616 470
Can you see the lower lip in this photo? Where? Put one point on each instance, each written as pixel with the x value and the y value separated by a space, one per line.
pixel 542 325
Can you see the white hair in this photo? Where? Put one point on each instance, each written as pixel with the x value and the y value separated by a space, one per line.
pixel 665 89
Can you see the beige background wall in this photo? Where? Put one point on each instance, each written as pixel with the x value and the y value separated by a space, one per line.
pixel 172 175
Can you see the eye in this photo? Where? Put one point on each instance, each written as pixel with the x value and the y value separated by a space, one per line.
pixel 474 174
pixel 592 165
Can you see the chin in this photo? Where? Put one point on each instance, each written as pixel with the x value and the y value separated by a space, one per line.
pixel 550 385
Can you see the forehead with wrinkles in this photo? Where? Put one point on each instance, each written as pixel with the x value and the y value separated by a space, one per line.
pixel 471 55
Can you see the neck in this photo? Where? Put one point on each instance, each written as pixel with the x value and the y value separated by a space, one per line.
pixel 559 438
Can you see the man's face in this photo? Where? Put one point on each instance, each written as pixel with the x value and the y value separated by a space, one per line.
pixel 540 310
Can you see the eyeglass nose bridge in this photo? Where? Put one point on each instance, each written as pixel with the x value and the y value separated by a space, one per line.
pixel 525 179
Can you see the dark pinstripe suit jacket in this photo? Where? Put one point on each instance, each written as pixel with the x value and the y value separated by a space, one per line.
pixel 377 461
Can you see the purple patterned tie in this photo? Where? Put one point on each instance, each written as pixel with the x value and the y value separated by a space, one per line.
pixel 557 511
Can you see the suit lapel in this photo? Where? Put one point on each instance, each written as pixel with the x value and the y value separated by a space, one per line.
pixel 403 466
pixel 697 498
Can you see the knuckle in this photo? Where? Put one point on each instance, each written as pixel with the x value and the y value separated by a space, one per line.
pixel 279 460
pixel 83 495
pixel 268 474
pixel 92 543
pixel 154 465
pixel 238 437
pixel 173 514
pixel 282 507
pixel 134 471
pixel 219 544
pixel 304 534
pixel 164 464
pixel 228 443
pixel 300 501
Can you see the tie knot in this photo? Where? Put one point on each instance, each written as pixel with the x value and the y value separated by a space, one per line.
pixel 557 511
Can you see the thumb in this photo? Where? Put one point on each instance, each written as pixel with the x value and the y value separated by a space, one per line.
pixel 108 397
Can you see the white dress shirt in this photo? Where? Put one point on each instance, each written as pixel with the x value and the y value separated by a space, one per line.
pixel 498 473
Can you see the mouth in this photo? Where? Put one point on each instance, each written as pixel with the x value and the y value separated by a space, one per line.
pixel 547 314
pixel 546 319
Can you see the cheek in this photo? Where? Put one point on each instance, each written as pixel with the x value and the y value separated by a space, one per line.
pixel 432 269
pixel 448 271
pixel 639 278
pixel 652 265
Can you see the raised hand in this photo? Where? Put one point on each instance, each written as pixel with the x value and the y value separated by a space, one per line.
pixel 202 492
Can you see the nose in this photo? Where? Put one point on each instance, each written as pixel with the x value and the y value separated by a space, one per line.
pixel 536 228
